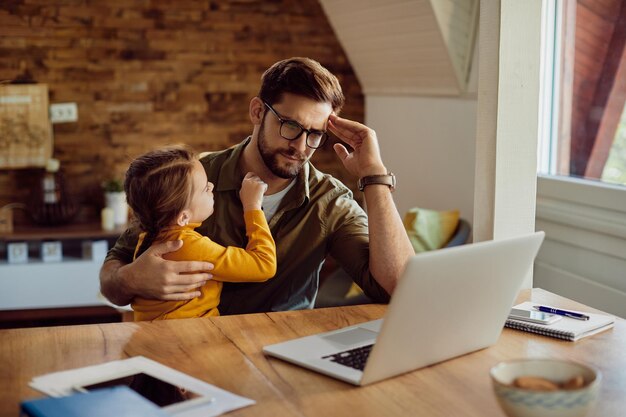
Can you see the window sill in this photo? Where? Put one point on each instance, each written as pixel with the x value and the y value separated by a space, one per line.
pixel 583 204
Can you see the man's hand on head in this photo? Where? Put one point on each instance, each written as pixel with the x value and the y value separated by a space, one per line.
pixel 365 158
pixel 150 276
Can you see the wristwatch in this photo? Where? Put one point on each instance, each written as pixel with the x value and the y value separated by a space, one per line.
pixel 389 180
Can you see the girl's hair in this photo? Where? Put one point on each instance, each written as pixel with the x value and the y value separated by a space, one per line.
pixel 302 77
pixel 158 187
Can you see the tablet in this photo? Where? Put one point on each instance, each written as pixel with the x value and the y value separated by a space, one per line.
pixel 169 395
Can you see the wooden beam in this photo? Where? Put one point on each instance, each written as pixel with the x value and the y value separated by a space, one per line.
pixel 610 96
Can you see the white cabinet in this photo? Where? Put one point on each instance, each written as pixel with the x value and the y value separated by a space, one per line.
pixel 49 285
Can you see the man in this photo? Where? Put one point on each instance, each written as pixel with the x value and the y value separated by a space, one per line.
pixel 310 213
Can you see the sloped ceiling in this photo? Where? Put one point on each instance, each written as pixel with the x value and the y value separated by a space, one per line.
pixel 413 47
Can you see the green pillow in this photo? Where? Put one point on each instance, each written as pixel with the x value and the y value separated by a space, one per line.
pixel 430 229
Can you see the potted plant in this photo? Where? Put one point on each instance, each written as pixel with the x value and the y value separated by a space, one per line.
pixel 115 199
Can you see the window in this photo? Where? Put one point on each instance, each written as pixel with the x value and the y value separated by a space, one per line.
pixel 583 121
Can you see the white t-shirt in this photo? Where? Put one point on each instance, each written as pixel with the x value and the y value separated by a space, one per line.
pixel 271 202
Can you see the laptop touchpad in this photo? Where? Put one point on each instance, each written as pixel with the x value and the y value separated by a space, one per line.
pixel 351 337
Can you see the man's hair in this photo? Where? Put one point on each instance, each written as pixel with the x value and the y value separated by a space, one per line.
pixel 158 187
pixel 303 77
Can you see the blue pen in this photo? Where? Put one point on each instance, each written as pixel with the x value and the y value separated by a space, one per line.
pixel 565 313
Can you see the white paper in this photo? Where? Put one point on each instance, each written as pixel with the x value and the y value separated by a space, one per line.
pixel 63 383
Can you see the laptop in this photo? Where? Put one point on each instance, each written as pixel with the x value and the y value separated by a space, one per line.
pixel 447 303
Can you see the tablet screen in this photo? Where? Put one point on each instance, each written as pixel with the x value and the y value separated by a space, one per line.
pixel 160 392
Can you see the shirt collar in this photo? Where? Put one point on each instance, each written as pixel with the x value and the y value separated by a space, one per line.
pixel 303 180
pixel 230 176
pixel 190 226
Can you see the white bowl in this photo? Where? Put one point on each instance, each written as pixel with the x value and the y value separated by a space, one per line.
pixel 518 402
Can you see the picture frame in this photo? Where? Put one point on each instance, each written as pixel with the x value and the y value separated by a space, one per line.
pixel 25 129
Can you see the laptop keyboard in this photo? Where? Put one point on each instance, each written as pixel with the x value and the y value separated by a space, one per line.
pixel 354 358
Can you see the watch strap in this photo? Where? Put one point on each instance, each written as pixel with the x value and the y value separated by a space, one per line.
pixel 388 179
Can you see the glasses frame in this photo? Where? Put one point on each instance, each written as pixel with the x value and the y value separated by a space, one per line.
pixel 302 129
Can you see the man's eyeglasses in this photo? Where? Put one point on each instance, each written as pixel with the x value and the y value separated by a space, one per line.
pixel 291 130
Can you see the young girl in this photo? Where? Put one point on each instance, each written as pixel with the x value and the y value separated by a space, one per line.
pixel 170 196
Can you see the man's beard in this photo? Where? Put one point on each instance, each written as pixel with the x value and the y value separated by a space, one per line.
pixel 270 157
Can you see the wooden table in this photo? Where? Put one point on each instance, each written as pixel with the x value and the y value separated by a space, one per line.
pixel 226 351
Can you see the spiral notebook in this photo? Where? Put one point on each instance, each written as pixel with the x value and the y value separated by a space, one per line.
pixel 567 328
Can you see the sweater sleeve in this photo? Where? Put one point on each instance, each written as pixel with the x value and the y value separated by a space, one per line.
pixel 257 262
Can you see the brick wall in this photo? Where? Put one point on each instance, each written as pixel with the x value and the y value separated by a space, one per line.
pixel 150 72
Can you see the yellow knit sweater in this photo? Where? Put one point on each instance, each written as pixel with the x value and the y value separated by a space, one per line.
pixel 255 263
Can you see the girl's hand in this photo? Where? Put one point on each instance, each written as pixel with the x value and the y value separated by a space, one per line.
pixel 251 193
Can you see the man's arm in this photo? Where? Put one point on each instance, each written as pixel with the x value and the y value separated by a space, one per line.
pixel 111 284
pixel 390 247
pixel 151 276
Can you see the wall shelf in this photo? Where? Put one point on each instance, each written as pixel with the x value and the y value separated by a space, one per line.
pixel 71 231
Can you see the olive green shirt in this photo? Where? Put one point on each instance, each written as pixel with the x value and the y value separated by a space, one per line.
pixel 316 218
